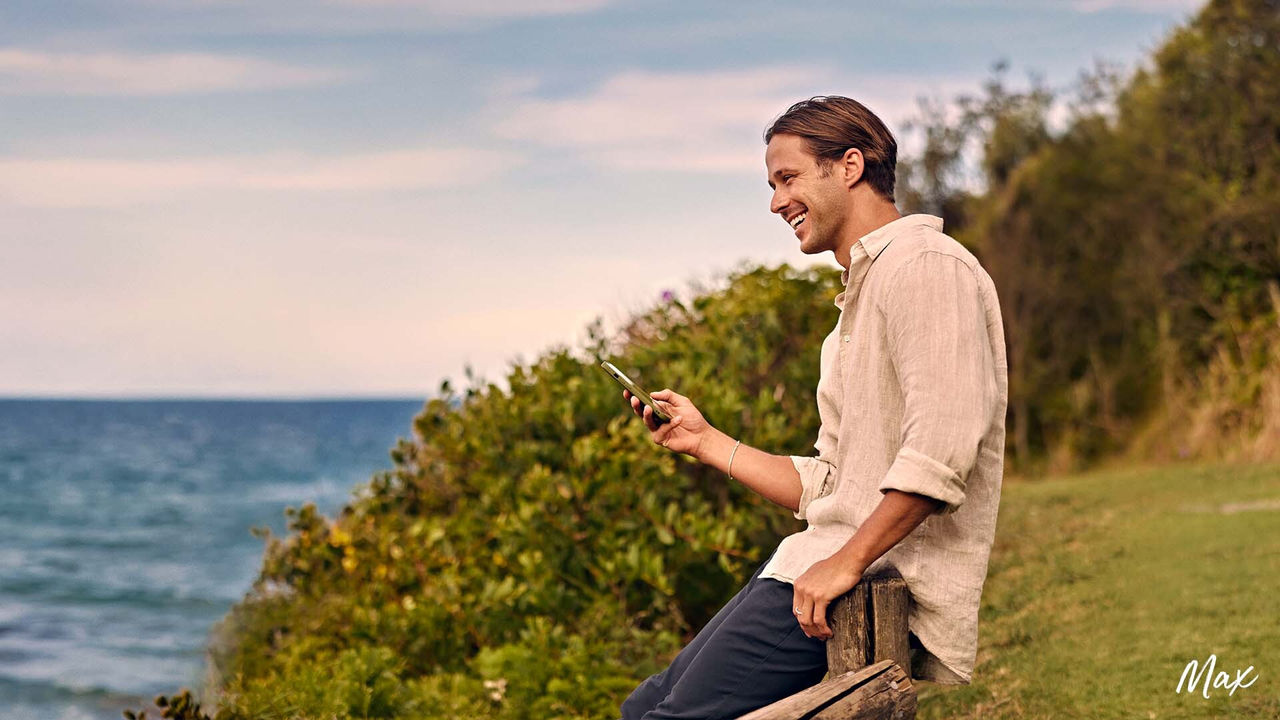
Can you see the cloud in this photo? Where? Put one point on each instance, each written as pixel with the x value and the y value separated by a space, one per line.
pixel 91 182
pixel 641 120
pixel 696 122
pixel 30 72
pixel 358 16
pixel 1154 6
pixel 486 8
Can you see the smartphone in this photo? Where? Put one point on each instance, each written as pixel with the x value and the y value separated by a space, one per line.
pixel 626 382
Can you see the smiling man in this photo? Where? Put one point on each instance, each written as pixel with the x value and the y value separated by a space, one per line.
pixel 910 452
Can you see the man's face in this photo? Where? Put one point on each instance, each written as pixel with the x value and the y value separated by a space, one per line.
pixel 813 202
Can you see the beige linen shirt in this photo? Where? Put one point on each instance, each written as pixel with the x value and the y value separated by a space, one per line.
pixel 911 396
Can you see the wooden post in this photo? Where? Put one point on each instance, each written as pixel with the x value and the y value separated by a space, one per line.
pixel 890 607
pixel 850 645
pixel 868 660
pixel 869 624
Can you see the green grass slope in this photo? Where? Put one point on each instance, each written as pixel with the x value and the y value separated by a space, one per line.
pixel 1103 587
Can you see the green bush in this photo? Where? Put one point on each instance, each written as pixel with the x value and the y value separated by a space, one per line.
pixel 533 553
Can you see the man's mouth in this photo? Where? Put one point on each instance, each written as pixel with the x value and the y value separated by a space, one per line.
pixel 795 221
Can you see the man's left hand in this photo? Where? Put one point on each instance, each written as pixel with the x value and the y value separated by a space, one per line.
pixel 814 590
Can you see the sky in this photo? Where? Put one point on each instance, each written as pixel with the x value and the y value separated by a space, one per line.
pixel 365 197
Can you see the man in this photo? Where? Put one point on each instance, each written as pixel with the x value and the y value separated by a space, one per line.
pixel 911 399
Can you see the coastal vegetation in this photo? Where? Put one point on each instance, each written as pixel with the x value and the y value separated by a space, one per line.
pixel 532 554
pixel 1135 250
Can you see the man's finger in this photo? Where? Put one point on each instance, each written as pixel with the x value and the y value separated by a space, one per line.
pixel 805 614
pixel 667 396
pixel 663 434
pixel 820 619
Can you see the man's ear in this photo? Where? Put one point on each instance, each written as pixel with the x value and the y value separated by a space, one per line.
pixel 851 167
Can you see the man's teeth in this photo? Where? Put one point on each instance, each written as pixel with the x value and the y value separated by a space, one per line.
pixel 795 221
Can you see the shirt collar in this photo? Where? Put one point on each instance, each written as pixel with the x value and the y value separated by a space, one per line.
pixel 874 242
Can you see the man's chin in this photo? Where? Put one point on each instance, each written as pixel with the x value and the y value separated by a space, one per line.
pixel 808 247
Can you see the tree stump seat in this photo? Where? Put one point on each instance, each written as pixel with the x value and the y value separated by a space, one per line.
pixel 868 660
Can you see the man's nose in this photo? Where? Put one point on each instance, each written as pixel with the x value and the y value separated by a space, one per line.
pixel 778 201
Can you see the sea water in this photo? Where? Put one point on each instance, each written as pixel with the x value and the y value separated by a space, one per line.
pixel 125 531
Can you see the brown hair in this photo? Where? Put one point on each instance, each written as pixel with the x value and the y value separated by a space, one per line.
pixel 831 124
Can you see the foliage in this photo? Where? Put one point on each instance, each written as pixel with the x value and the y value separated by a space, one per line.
pixel 533 553
pixel 1131 247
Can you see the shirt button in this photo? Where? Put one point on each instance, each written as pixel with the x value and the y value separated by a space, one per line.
pixel 845 338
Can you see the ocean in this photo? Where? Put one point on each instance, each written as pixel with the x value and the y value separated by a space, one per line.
pixel 125 531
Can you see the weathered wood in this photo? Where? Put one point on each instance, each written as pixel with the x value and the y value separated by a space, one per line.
pixel 868 660
pixel 887 696
pixel 879 692
pixel 869 624
pixel 890 606
pixel 850 645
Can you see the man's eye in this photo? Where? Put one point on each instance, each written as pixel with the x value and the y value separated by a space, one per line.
pixel 787 178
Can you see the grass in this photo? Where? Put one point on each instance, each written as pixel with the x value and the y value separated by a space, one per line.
pixel 1102 587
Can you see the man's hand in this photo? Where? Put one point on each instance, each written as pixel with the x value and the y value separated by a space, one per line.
pixel 687 427
pixel 817 587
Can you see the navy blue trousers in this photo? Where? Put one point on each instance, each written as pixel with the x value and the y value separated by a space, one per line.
pixel 752 653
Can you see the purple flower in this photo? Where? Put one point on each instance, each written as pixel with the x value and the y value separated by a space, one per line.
pixel 668 296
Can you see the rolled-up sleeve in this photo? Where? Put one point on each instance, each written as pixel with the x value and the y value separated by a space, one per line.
pixel 938 343
pixel 815 478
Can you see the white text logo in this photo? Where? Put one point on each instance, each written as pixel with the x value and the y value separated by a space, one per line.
pixel 1194 673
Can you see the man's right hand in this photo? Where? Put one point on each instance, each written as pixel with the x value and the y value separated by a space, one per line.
pixel 687 427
